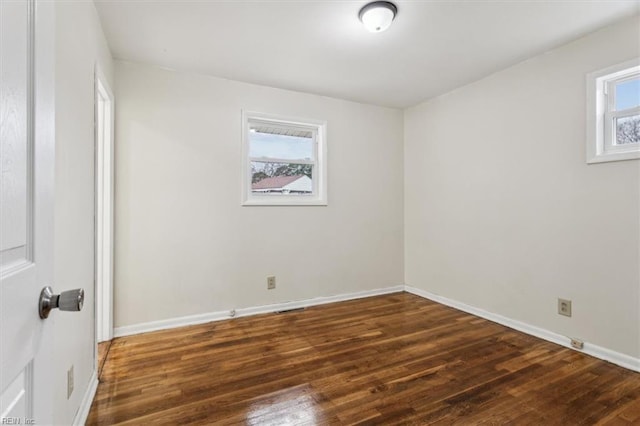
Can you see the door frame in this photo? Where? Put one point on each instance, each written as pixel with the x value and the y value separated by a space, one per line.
pixel 104 109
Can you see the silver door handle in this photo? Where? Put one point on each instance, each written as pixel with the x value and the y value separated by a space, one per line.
pixel 70 300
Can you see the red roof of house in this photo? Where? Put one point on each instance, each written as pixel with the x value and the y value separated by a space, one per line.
pixel 276 182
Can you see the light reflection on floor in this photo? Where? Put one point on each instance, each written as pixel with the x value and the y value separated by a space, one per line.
pixel 292 406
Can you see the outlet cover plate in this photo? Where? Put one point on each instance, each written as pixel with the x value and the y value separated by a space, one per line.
pixel 564 307
pixel 69 382
pixel 577 343
pixel 271 283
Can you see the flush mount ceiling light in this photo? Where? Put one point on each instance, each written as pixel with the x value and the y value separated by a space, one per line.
pixel 377 16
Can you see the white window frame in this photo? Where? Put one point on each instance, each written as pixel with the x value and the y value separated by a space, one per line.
pixel 601 113
pixel 319 130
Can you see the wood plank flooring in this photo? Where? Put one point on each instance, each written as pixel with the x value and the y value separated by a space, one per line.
pixel 393 359
pixel 103 350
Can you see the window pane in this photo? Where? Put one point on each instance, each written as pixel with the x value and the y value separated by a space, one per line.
pixel 282 143
pixel 281 178
pixel 628 94
pixel 628 130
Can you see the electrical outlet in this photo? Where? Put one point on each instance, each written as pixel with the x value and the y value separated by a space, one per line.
pixel 271 283
pixel 564 307
pixel 69 382
pixel 577 343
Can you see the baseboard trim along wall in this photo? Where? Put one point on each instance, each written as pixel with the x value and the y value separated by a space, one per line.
pixel 85 406
pixel 614 357
pixel 146 327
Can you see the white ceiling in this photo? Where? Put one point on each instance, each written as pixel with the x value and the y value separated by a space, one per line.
pixel 321 47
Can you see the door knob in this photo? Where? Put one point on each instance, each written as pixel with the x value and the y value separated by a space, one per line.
pixel 70 300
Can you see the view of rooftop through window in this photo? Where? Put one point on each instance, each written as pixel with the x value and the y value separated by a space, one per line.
pixel 281 160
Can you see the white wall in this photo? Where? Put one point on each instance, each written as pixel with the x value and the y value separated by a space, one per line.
pixel 185 245
pixel 79 44
pixel 501 210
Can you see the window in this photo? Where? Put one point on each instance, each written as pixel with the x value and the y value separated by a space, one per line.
pixel 613 121
pixel 284 160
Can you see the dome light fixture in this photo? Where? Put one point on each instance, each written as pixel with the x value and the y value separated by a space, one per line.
pixel 378 15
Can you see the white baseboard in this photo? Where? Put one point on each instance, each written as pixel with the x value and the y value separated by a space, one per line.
pixel 243 312
pixel 85 406
pixel 614 357
pixel 600 352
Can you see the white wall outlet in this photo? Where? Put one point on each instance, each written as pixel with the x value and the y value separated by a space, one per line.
pixel 69 382
pixel 271 283
pixel 564 307
pixel 577 344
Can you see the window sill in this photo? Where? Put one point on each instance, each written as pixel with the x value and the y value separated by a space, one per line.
pixel 283 202
pixel 614 156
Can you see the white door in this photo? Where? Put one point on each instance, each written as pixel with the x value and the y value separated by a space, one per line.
pixel 26 208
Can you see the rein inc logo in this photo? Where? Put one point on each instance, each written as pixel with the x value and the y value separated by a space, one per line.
pixel 17 421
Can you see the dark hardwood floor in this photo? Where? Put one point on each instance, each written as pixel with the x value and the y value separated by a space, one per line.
pixel 394 359
pixel 103 351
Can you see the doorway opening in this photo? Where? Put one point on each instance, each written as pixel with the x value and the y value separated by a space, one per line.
pixel 104 202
